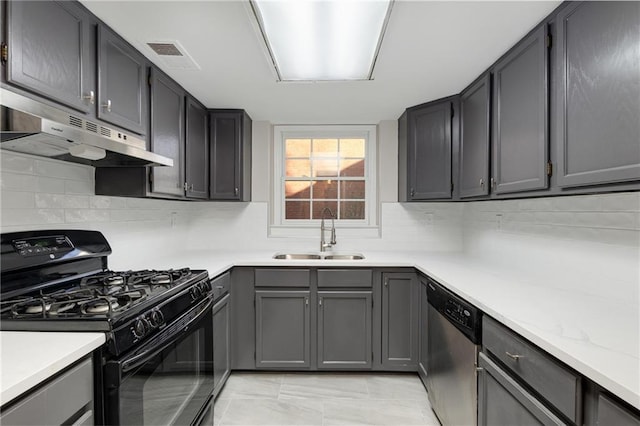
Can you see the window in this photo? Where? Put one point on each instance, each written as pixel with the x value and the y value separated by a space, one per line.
pixel 318 167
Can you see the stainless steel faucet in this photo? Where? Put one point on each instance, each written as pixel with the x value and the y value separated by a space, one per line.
pixel 324 245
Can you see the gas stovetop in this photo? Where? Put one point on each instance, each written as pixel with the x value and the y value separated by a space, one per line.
pixel 59 281
pixel 104 295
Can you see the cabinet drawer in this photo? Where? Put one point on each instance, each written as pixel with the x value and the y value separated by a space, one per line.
pixel 611 413
pixel 282 278
pixel 56 402
pixel 554 382
pixel 221 285
pixel 344 277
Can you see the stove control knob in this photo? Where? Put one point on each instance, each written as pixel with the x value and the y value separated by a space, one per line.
pixel 156 319
pixel 140 327
pixel 196 292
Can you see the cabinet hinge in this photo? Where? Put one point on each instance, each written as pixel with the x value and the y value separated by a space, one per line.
pixel 4 53
pixel 549 169
pixel 549 41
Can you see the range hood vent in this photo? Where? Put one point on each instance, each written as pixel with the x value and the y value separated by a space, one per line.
pixel 31 127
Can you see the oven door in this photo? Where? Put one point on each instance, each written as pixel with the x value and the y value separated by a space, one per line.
pixel 168 380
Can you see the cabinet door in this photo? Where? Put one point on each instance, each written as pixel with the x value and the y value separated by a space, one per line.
pixel 221 344
pixel 423 339
pixel 122 88
pixel 475 106
pixel 197 150
pixel 598 95
pixel 612 413
pixel 282 329
pixel 400 320
pixel 344 329
pixel 230 156
pixel 429 152
pixel 520 124
pixel 51 51
pixel 167 134
pixel 502 401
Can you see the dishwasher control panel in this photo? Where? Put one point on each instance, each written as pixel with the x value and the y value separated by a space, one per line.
pixel 459 313
pixel 463 315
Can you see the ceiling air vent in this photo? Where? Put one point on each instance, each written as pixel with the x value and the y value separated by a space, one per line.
pixel 173 55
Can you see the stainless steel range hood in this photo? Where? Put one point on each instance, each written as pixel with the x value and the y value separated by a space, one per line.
pixel 35 128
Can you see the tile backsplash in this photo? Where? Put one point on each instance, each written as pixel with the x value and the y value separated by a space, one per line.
pixel 38 193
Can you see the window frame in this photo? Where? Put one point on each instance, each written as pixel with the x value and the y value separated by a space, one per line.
pixel 279 226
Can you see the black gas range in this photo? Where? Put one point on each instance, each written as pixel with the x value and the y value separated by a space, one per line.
pixel 158 323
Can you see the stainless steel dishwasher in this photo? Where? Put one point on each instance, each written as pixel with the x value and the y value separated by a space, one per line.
pixel 454 329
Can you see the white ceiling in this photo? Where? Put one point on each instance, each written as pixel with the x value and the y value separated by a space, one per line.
pixel 431 49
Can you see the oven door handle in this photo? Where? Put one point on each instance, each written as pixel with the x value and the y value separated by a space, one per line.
pixel 144 356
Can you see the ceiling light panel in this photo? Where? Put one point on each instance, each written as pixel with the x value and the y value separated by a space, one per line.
pixel 323 39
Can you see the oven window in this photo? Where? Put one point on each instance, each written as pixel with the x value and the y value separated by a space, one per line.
pixel 171 387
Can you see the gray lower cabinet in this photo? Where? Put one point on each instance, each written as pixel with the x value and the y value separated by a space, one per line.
pixel 122 83
pixel 196 150
pixel 283 329
pixel 344 329
pixel 520 123
pixel 230 155
pixel 221 344
pixel 504 402
pixel 425 147
pixel 598 95
pixel 67 399
pixel 400 320
pixel 423 330
pixel 609 412
pixel 475 120
pixel 51 51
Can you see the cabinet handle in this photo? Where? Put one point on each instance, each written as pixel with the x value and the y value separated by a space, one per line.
pixel 235 191
pixel 91 97
pixel 107 106
pixel 513 356
pixel 386 282
pixel 185 186
pixel 481 183
pixel 494 184
pixel 320 301
pixel 413 192
pixel 191 187
pixel 306 301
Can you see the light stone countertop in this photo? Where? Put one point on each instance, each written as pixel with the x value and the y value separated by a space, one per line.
pixel 590 328
pixel 29 358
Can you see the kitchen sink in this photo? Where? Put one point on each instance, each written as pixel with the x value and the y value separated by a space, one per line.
pixel 312 256
pixel 344 257
pixel 297 256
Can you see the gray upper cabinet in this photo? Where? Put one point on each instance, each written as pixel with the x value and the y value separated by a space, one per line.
pixel 197 150
pixel 230 155
pixel 51 51
pixel 283 329
pixel 344 329
pixel 520 122
pixel 598 93
pixel 475 108
pixel 122 88
pixel 425 152
pixel 167 134
pixel 400 320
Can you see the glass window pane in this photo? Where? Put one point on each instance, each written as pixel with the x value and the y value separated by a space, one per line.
pixel 297 189
pixel 352 210
pixel 352 168
pixel 297 209
pixel 298 148
pixel 325 189
pixel 325 147
pixel 298 168
pixel 351 147
pixel 325 168
pixel 318 206
pixel 352 189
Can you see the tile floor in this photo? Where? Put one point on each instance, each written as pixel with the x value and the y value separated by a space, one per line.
pixel 323 399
